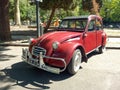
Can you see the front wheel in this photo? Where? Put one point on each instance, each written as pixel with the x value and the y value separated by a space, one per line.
pixel 75 62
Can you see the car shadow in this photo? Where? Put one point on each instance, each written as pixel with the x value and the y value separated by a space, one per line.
pixel 94 53
pixel 24 75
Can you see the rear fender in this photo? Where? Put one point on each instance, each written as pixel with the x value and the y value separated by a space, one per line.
pixel 104 39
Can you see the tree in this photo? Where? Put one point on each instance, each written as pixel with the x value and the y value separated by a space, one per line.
pixel 17 13
pixel 96 6
pixel 93 6
pixel 4 21
pixel 11 10
pixel 27 12
pixel 115 11
pixel 110 10
pixel 56 4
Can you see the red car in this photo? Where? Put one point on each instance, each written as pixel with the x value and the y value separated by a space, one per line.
pixel 67 47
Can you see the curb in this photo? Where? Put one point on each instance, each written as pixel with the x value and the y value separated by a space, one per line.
pixel 13 44
pixel 112 47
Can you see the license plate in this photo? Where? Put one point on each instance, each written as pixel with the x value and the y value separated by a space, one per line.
pixel 33 62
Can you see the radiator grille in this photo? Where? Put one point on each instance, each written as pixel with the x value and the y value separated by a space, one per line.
pixel 36 51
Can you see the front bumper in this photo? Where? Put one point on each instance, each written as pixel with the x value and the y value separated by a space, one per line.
pixel 39 63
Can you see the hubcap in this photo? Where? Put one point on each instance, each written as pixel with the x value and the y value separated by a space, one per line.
pixel 77 61
pixel 104 49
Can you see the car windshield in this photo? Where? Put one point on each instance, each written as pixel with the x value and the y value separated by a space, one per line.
pixel 69 24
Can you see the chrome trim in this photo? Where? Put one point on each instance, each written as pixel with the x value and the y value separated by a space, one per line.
pixel 36 51
pixel 39 63
pixel 59 59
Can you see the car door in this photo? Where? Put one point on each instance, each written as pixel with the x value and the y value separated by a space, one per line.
pixel 90 37
pixel 99 31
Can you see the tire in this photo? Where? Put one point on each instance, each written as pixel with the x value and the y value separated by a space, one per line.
pixel 75 62
pixel 101 49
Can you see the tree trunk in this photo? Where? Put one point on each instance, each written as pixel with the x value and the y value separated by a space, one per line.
pixel 50 19
pixel 4 21
pixel 17 13
pixel 96 7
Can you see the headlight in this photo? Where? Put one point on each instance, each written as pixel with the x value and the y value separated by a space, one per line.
pixel 32 40
pixel 55 45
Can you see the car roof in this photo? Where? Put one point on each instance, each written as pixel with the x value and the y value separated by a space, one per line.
pixel 77 17
pixel 83 17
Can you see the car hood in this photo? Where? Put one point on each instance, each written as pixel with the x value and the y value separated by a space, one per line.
pixel 59 36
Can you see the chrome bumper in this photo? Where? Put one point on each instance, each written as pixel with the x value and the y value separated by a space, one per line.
pixel 39 63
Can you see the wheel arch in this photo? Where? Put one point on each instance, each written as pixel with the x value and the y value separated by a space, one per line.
pixel 81 48
pixel 84 57
pixel 104 38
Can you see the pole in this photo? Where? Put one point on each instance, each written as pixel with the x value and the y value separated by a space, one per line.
pixel 39 29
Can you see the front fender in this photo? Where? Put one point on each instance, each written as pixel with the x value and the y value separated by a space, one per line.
pixel 66 51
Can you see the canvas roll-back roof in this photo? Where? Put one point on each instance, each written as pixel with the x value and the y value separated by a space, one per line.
pixel 83 17
pixel 77 17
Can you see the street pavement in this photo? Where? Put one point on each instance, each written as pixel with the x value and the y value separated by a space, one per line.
pixel 101 72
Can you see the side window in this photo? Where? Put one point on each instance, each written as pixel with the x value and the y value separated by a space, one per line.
pixel 98 25
pixel 78 24
pixel 91 25
pixel 64 24
pixel 72 24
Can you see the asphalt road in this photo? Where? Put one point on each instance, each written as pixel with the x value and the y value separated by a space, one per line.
pixel 102 72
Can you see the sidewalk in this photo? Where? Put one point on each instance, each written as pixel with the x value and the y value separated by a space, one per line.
pixel 17 41
pixel 113 43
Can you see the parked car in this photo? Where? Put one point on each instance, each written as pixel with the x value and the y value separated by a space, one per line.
pixel 67 47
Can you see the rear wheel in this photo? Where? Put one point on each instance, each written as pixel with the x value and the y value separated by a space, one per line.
pixel 101 49
pixel 75 62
